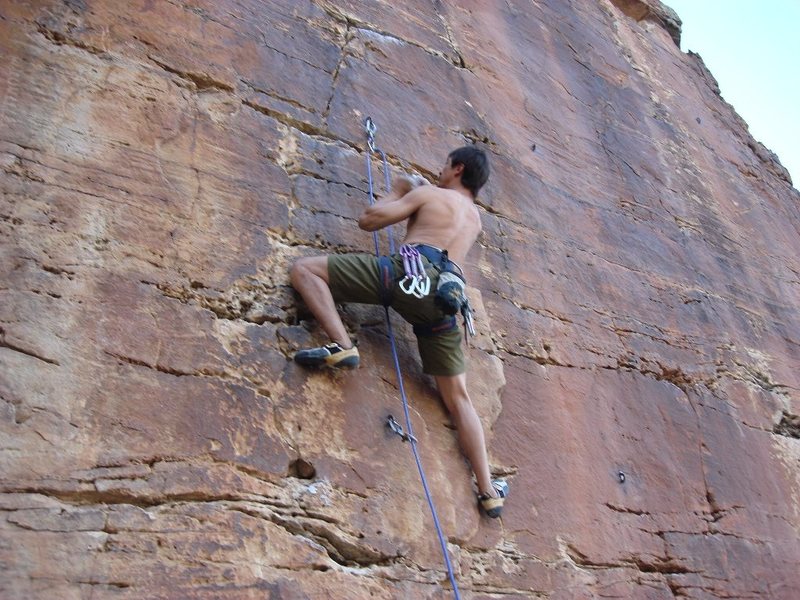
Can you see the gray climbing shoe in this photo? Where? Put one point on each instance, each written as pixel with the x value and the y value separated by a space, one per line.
pixel 331 355
pixel 494 506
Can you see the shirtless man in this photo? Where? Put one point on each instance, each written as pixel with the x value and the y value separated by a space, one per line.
pixel 439 217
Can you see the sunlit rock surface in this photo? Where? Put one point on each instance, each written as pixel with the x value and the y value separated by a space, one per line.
pixel 637 286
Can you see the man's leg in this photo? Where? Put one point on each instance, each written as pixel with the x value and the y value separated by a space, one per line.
pixel 309 276
pixel 470 431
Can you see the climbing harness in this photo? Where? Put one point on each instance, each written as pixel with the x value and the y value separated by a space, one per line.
pixel 387 276
pixel 450 295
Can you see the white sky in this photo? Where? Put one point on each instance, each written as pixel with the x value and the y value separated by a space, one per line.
pixel 752 47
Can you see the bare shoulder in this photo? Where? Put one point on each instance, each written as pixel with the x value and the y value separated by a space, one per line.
pixel 434 192
pixel 450 204
pixel 425 192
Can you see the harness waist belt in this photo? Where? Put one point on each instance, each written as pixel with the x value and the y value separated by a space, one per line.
pixel 439 258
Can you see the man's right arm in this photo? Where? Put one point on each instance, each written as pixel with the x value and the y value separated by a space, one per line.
pixel 370 218
pixel 392 209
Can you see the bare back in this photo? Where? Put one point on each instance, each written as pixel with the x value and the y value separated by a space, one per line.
pixel 446 219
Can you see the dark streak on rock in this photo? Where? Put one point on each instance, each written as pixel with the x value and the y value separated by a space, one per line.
pixel 789 426
pixel 58 38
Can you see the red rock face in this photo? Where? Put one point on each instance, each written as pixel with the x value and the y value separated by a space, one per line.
pixel 636 284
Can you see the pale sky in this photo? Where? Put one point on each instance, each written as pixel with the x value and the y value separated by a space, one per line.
pixel 752 47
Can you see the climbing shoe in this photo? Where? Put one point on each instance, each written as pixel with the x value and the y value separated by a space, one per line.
pixel 494 506
pixel 332 355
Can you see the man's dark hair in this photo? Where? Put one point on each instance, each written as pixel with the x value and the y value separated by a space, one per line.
pixel 476 167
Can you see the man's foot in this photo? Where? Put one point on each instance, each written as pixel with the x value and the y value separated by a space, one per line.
pixel 494 506
pixel 331 355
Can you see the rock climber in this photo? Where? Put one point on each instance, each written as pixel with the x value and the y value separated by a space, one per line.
pixel 443 224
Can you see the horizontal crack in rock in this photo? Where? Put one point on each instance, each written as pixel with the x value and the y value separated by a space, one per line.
pixel 87 497
pixel 624 509
pixel 166 370
pixel 340 546
pixel 289 121
pixel 249 301
pixel 665 566
pixel 4 343
pixel 201 81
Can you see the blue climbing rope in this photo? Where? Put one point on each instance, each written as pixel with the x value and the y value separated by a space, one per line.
pixel 408 436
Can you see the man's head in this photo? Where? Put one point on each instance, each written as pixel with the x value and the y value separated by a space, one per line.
pixel 467 165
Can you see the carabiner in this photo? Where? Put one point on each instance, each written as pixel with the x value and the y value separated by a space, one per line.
pixel 411 289
pixel 371 129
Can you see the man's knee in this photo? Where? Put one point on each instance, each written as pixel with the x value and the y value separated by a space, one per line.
pixel 308 265
pixel 296 271
pixel 297 268
pixel 454 392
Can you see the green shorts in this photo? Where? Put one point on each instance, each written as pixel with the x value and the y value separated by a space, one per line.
pixel 354 278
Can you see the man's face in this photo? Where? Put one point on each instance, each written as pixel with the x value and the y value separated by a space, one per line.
pixel 447 174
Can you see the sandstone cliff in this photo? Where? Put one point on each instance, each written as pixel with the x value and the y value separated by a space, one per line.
pixel 637 286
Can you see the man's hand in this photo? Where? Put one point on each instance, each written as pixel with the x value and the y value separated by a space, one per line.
pixel 404 184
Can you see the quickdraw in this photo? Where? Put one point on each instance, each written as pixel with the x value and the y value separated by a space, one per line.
pixel 396 428
pixel 416 281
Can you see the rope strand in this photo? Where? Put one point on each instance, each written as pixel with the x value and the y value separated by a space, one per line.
pixel 370 128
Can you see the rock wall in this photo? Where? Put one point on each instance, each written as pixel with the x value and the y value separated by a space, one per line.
pixel 637 285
